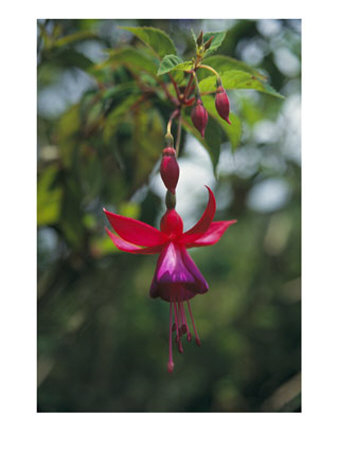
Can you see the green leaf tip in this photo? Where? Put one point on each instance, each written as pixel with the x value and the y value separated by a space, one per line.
pixel 156 39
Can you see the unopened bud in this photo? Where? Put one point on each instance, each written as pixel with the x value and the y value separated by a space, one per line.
pixel 208 43
pixel 199 117
pixel 169 169
pixel 222 104
pixel 199 40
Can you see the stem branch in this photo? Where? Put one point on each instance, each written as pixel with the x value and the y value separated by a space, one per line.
pixel 176 87
pixel 171 118
pixel 218 78
pixel 187 89
pixel 178 136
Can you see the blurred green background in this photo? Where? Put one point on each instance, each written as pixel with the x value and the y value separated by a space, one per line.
pixel 102 342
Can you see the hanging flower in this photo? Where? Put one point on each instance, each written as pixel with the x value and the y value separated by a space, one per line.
pixel 177 278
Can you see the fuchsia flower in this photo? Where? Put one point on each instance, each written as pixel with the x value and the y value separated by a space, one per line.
pixel 177 278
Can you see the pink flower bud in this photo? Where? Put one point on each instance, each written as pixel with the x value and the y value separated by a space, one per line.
pixel 199 117
pixel 169 169
pixel 171 223
pixel 222 104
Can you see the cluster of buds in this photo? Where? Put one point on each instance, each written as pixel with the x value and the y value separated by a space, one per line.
pixel 199 115
pixel 202 48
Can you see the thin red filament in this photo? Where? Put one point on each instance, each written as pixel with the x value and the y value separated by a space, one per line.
pixel 185 322
pixel 170 362
pixel 198 342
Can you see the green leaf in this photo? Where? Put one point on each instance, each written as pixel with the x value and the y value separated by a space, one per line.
pixel 120 90
pixel 148 131
pixel 216 42
pixel 67 131
pixel 156 39
pixel 212 140
pixel 213 137
pixel 233 131
pixel 130 209
pixel 250 111
pixel 75 37
pixel 194 37
pixel 67 57
pixel 237 79
pixel 168 63
pixel 48 198
pixel 223 63
pixel 173 62
pixel 114 118
pixel 101 246
pixel 134 59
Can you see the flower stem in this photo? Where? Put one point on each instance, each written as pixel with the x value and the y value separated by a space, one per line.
pixel 178 136
pixel 204 66
pixel 178 94
pixel 164 87
pixel 187 89
pixel 196 83
pixel 171 118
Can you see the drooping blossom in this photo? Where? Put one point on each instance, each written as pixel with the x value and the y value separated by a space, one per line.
pixel 177 278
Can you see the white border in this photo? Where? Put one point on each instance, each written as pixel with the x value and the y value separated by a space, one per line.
pixel 21 425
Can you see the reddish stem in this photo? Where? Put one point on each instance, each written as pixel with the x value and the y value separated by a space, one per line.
pixel 187 89
pixel 170 97
pixel 176 88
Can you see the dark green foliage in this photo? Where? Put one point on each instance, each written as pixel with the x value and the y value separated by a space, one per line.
pixel 102 342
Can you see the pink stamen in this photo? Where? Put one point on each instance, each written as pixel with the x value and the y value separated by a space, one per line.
pixel 170 362
pixel 185 322
pixel 179 318
pixel 178 327
pixel 198 342
pixel 176 323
